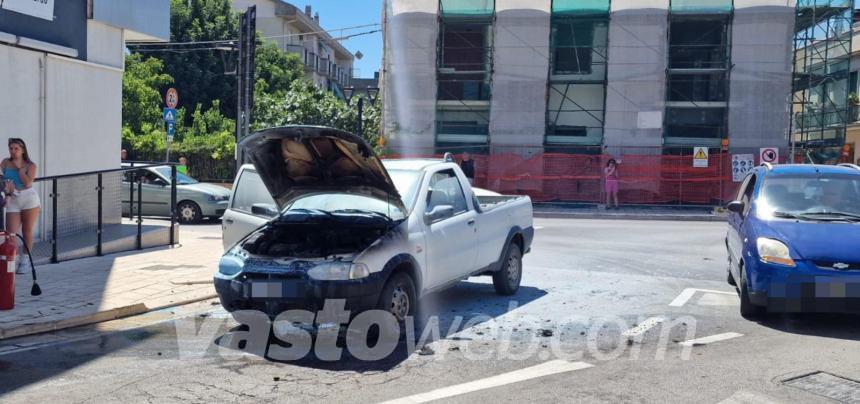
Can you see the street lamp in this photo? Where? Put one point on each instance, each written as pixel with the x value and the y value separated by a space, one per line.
pixel 371 93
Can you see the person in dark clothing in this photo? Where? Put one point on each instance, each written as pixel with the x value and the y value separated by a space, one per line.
pixel 468 167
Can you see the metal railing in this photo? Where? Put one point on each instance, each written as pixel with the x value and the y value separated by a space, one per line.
pixel 55 194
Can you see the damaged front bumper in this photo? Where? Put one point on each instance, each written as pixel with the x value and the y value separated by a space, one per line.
pixel 272 287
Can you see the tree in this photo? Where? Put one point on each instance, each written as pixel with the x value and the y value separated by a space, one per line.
pixel 199 74
pixel 141 100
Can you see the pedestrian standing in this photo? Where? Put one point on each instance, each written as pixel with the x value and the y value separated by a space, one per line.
pixel 22 203
pixel 182 168
pixel 468 167
pixel 123 155
pixel 610 176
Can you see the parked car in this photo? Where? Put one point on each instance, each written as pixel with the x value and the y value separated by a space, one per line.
pixel 794 239
pixel 338 223
pixel 194 200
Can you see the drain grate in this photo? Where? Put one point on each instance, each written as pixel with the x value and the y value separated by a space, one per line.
pixel 831 386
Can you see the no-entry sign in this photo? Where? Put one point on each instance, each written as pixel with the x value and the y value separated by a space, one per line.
pixel 769 155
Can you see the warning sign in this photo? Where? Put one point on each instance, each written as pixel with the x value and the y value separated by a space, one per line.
pixel 741 165
pixel 769 155
pixel 700 157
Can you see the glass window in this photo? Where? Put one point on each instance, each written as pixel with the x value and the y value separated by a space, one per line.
pixel 445 189
pixel 250 190
pixel 406 182
pixel 810 194
pixel 181 179
pixel 696 86
pixel 466 7
pixel 580 7
pixel 347 202
pixel 701 6
pixel 696 122
pixel 698 43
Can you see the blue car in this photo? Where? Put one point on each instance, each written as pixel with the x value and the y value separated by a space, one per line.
pixel 794 239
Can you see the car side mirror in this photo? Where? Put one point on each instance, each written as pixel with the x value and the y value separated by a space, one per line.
pixel 264 209
pixel 736 206
pixel 439 212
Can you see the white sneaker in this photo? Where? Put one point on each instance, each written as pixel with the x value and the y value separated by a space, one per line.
pixel 23 265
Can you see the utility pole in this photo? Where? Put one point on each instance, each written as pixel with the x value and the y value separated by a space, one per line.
pixel 245 77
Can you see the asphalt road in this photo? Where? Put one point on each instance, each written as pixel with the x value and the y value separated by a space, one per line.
pixel 609 311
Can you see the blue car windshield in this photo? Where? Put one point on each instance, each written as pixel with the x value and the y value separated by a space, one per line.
pixel 805 195
pixel 181 179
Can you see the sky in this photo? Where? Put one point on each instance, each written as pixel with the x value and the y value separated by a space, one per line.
pixel 336 14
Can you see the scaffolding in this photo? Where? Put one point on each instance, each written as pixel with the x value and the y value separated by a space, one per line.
pixel 464 74
pixel 822 58
pixel 576 100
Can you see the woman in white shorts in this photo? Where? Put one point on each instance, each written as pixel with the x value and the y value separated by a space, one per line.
pixel 22 201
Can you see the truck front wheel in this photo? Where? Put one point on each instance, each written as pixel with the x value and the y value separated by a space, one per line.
pixel 507 279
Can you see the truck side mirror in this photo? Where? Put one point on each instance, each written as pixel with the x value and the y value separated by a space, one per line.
pixel 439 212
pixel 736 207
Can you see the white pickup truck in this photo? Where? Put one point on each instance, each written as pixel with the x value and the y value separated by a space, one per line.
pixel 335 222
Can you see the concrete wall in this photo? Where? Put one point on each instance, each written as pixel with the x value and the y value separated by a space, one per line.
pixel 760 87
pixel 636 75
pixel 411 31
pixel 520 68
pixel 105 45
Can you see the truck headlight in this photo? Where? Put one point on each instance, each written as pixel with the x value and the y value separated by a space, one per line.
pixel 774 252
pixel 338 271
pixel 230 265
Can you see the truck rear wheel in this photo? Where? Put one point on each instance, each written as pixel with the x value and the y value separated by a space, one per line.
pixel 507 279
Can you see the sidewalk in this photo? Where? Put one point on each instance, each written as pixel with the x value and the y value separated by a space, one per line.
pixel 91 290
pixel 633 212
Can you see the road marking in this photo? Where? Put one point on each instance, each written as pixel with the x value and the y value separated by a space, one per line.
pixel 544 369
pixel 687 293
pixel 711 339
pixel 643 328
pixel 748 397
pixel 538 227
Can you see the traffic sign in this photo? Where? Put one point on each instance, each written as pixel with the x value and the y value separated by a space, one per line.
pixel 700 157
pixel 170 130
pixel 171 98
pixel 169 115
pixel 769 155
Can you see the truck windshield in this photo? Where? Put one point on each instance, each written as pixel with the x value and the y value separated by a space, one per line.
pixel 406 182
pixel 348 202
pixel 802 196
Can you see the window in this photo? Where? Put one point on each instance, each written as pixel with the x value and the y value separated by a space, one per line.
pixel 748 194
pixel 573 45
pixel 698 43
pixel 696 122
pixel 249 191
pixel 695 86
pixel 445 189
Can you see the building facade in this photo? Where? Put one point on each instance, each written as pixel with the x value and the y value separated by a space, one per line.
pixel 61 67
pixel 575 76
pixel 327 63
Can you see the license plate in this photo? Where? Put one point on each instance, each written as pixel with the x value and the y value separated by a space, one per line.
pixel 274 290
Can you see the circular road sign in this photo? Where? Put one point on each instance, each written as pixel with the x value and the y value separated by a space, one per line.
pixel 769 155
pixel 171 99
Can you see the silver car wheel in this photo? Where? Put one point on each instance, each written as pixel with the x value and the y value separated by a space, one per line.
pixel 400 303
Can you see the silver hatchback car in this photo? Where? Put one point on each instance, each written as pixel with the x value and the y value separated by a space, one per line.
pixel 194 200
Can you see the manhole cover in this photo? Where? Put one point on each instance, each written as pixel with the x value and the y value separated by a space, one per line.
pixel 828 385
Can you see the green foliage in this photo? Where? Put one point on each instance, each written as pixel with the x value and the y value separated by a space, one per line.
pixel 199 75
pixel 276 70
pixel 141 100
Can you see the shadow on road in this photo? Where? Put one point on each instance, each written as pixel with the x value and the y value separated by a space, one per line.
pixel 466 305
pixel 830 325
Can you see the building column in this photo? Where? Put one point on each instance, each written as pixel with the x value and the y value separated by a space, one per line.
pixel 760 78
pixel 636 76
pixel 411 29
pixel 520 68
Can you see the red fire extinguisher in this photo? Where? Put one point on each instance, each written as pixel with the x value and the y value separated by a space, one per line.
pixel 7 271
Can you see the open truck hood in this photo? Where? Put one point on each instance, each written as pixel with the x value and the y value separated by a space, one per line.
pixel 294 161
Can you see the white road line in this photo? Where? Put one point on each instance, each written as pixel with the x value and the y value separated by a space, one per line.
pixel 710 339
pixel 538 227
pixel 544 369
pixel 748 397
pixel 688 293
pixel 643 328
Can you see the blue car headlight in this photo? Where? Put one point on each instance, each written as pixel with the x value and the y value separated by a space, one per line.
pixel 338 271
pixel 230 265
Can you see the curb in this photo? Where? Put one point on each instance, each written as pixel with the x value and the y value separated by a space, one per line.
pixel 628 216
pixel 97 317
